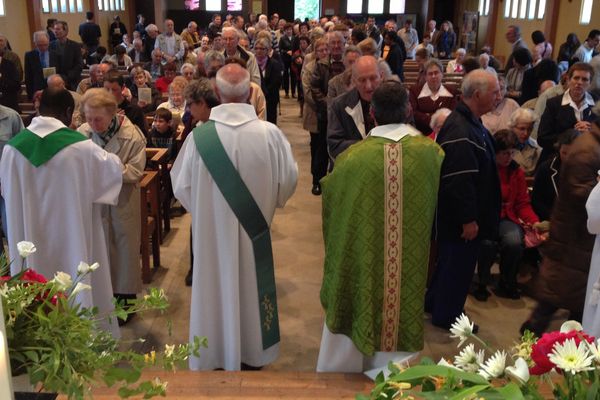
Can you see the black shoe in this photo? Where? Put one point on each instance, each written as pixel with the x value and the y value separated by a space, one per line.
pixel 188 277
pixel 316 189
pixel 481 294
pixel 246 367
pixel 507 293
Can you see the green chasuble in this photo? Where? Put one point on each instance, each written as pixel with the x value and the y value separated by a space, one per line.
pixel 378 211
pixel 40 150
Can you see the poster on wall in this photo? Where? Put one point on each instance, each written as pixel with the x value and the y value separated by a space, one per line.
pixel 468 37
pixel 192 4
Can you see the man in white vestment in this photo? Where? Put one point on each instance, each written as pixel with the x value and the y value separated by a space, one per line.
pixel 54 181
pixel 225 290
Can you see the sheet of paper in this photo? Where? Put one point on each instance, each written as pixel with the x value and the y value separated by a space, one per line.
pixel 49 71
pixel 145 95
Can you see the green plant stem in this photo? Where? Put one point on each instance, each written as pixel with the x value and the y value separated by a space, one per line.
pixel 484 344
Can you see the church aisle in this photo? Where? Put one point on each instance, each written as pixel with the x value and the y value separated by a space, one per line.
pixel 298 254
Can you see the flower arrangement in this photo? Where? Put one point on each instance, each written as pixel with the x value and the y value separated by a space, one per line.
pixel 59 345
pixel 564 364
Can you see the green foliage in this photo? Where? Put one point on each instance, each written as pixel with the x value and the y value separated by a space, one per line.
pixel 306 9
pixel 60 346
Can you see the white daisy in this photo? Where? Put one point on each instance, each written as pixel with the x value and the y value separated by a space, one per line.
pixel 520 371
pixel 570 357
pixel 469 360
pixel 445 363
pixel 494 366
pixel 594 349
pixel 461 329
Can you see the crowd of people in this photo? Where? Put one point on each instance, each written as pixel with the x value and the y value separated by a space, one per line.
pixel 479 165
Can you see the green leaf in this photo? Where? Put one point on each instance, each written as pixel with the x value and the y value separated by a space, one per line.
pixel 593 391
pixel 468 392
pixel 511 392
pixel 423 371
pixel 33 356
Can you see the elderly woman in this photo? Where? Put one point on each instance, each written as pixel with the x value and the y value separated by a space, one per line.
pixel 456 66
pixel 527 152
pixel 516 211
pixel 176 102
pixel 116 134
pixel 139 80
pixel 437 121
pixel 498 118
pixel 430 96
pixel 188 70
pixel 270 76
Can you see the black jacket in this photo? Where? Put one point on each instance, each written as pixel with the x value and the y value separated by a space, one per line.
pixel 89 33
pixel 395 59
pixel 342 131
pixel 143 56
pixel 545 188
pixel 10 85
pixel 135 115
pixel 70 63
pixel 34 76
pixel 270 82
pixel 469 184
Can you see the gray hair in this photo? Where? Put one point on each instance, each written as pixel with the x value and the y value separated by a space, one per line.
pixel 230 29
pixel 390 103
pixel 384 69
pixel 213 55
pixel 440 113
pixel 186 66
pixel 37 34
pixel 265 42
pixel 338 34
pixel 351 49
pixel 522 115
pixel 433 62
pixel 151 28
pixel 485 56
pixel 460 51
pixel 201 90
pixel 474 81
pixel 262 24
pixel 233 91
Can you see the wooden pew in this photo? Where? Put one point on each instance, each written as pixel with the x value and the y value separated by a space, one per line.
pixel 150 221
pixel 157 159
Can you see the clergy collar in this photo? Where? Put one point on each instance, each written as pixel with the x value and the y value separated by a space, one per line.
pixel 233 114
pixel 394 132
pixel 442 92
pixel 588 100
pixel 43 126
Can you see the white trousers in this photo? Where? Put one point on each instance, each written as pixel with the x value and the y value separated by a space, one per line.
pixel 339 354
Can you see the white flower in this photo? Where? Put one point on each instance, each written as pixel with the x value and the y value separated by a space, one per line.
pixel 445 363
pixel 494 366
pixel 469 360
pixel 570 357
pixel 594 349
pixel 26 248
pixel 569 326
pixel 80 287
pixel 169 350
pixel 84 268
pixel 461 329
pixel 62 281
pixel 520 372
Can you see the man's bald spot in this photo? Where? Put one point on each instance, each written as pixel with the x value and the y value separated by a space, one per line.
pixel 56 81
pixel 233 73
pixel 364 64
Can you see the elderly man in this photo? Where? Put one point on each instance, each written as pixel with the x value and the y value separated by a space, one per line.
pixel 571 110
pixel 96 79
pixel 11 56
pixel 56 82
pixel 233 293
pixel 364 269
pixel 190 35
pixel 138 54
pixel 69 55
pixel 154 66
pixel 349 118
pixel 150 39
pixel 81 176
pixel 231 37
pixel 469 197
pixel 39 63
pixel 170 43
pixel 513 36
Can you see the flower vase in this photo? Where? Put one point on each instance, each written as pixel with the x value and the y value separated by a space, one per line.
pixel 26 391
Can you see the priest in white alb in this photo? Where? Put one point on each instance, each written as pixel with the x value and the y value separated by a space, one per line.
pixel 231 174
pixel 54 181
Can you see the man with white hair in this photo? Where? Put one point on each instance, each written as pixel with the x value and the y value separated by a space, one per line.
pixel 137 54
pixel 190 35
pixel 170 43
pixel 231 174
pixel 150 39
pixel 484 63
pixel 231 39
pixel 37 61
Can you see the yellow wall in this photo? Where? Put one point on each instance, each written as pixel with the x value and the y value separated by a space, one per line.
pixel 568 21
pixel 105 18
pixel 15 26
pixel 501 46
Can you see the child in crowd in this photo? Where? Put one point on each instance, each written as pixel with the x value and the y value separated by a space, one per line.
pixel 162 134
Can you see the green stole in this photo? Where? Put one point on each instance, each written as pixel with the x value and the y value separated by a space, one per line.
pixel 243 205
pixel 40 150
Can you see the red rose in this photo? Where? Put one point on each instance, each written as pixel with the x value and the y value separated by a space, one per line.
pixel 544 346
pixel 32 276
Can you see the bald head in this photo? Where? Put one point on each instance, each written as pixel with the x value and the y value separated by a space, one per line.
pixel 233 84
pixel 56 82
pixel 366 76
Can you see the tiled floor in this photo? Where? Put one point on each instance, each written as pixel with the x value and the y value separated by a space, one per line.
pixel 298 252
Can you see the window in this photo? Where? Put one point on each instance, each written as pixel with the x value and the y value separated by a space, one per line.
pixel 376 6
pixel 213 5
pixel 63 6
pixel 110 5
pixel 524 9
pixel 234 5
pixel 586 11
pixel 2 12
pixel 484 7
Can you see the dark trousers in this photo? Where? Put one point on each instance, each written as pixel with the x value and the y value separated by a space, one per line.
pixel 542 315
pixel 272 110
pixel 287 76
pixel 319 157
pixel 511 252
pixel 447 293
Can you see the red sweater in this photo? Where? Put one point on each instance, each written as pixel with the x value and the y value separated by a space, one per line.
pixel 515 198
